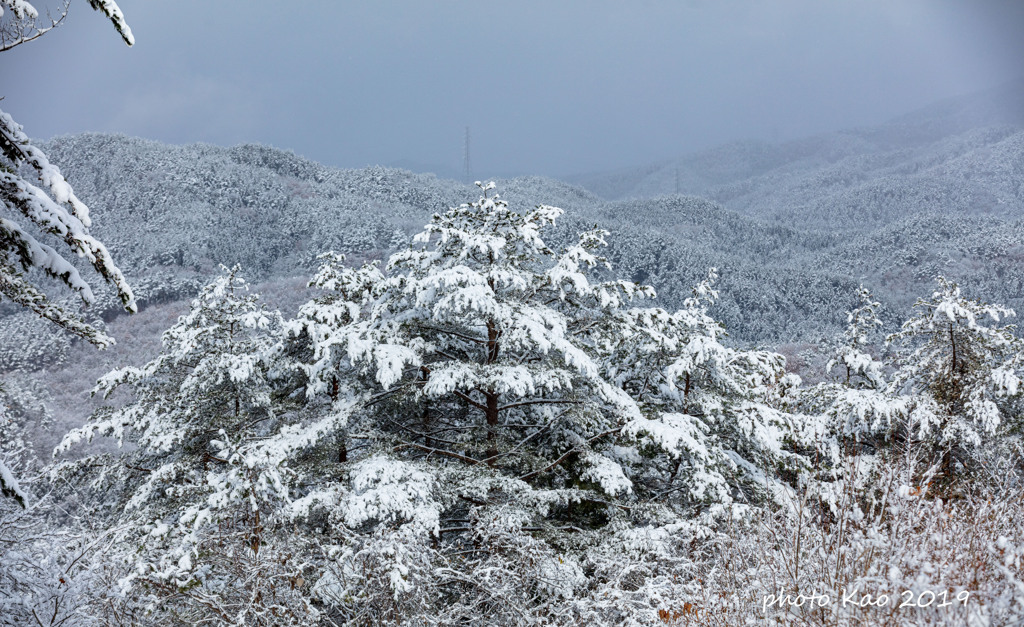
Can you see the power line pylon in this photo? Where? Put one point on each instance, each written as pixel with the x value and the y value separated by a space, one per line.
pixel 467 166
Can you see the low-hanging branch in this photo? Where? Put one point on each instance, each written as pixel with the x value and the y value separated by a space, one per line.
pixel 469 400
pixel 420 434
pixel 455 333
pixel 438 451
pixel 567 454
pixel 540 401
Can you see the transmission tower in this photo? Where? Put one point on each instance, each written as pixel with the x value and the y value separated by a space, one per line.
pixel 467 166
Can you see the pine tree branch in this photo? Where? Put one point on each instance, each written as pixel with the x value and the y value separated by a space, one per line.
pixel 469 400
pixel 567 454
pixel 456 334
pixel 373 400
pixel 539 401
pixel 442 452
pixel 422 435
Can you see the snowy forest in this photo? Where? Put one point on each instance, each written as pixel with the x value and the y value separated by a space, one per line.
pixel 764 383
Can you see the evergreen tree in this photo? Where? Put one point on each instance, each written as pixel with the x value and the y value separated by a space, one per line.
pixel 706 405
pixel 478 329
pixel 859 370
pixel 201 487
pixel 858 407
pixel 853 418
pixel 55 211
pixel 963 370
pixel 477 375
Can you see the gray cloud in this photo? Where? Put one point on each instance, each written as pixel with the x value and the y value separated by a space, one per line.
pixel 548 88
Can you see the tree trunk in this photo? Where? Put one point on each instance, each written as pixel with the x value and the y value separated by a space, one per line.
pixel 425 417
pixel 492 425
pixel 343 436
pixel 952 341
pixel 492 397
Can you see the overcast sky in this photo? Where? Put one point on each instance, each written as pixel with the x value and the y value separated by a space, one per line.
pixel 549 87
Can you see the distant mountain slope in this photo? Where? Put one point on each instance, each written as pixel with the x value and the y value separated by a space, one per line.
pixel 964 155
pixel 192 207
pixel 173 214
pixel 195 206
pixel 792 228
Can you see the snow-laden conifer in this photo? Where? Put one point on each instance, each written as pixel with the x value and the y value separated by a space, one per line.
pixel 50 207
pixel 496 423
pixel 705 405
pixel 201 488
pixel 479 327
pixel 49 204
pixel 854 419
pixel 857 406
pixel 964 368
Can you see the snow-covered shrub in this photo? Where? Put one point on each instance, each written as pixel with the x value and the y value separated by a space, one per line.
pixel 892 553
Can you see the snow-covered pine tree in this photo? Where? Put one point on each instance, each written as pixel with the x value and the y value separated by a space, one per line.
pixel 314 348
pixel 857 406
pixel 706 406
pixel 56 211
pixel 963 371
pixel 474 334
pixel 201 489
pixel 63 216
pixel 858 369
pixel 851 419
pixel 488 440
pixel 53 208
pixel 486 413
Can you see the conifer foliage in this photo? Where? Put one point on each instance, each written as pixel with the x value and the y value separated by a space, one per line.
pixel 51 208
pixel 858 406
pixel 480 330
pixel 201 488
pixel 964 369
pixel 706 406
pixel 476 353
pixel 509 400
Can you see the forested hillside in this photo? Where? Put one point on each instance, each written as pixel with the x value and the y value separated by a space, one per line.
pixel 172 214
pixel 793 227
